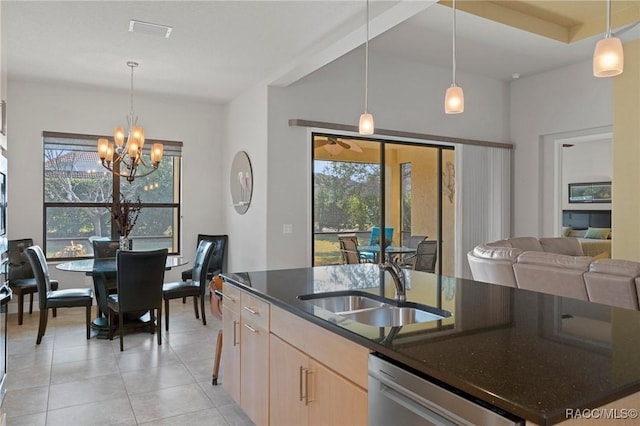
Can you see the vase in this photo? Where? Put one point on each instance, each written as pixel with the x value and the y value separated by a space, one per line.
pixel 125 243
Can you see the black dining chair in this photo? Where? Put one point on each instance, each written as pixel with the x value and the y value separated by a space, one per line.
pixel 140 275
pixel 196 287
pixel 21 278
pixel 49 298
pixel 215 265
pixel 104 283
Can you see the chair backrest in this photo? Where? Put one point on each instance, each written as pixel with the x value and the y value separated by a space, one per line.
pixel 41 271
pixel 19 266
pixel 374 239
pixel 349 248
pixel 140 279
pixel 217 260
pixel 105 248
pixel 426 256
pixel 203 256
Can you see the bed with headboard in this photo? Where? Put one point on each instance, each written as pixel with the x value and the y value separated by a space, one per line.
pixel 591 227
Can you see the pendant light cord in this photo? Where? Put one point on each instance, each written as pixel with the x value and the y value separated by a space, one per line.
pixel 608 34
pixel 366 65
pixel 454 44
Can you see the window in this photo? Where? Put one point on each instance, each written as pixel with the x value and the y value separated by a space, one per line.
pixel 78 192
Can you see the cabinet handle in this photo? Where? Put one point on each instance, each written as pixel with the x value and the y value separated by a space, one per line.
pixel 250 310
pixel 235 323
pixel 307 373
pixel 251 328
pixel 300 381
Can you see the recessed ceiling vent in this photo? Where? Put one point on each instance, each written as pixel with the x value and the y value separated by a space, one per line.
pixel 149 28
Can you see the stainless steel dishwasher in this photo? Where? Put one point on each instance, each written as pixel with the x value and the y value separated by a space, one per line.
pixel 400 397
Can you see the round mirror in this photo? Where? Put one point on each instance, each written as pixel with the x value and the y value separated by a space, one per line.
pixel 241 182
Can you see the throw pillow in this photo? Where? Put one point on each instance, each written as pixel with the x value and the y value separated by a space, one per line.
pixel 566 231
pixel 598 233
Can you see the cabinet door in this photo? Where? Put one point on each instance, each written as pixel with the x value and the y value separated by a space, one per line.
pixel 231 352
pixel 334 399
pixel 287 384
pixel 254 377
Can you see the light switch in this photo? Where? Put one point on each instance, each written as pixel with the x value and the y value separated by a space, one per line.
pixel 287 228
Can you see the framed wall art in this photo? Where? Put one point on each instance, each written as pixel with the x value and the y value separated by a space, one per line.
pixel 590 192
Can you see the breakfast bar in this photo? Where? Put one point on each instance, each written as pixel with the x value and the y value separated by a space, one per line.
pixel 530 356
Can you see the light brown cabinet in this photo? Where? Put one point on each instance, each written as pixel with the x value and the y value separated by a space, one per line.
pixel 231 342
pixel 309 393
pixel 319 377
pixel 254 358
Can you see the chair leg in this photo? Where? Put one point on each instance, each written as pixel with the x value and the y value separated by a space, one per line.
pixel 216 361
pixel 121 326
pixel 20 308
pixel 44 314
pixel 195 306
pixel 55 312
pixel 88 322
pixel 166 314
pixel 159 325
pixel 184 300
pixel 112 325
pixel 30 303
pixel 204 319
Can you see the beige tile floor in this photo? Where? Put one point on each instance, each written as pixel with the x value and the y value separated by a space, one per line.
pixel 68 380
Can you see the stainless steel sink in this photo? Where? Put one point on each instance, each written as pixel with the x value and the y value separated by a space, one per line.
pixel 392 316
pixel 374 310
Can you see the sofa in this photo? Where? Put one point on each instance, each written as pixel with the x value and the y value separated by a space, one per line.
pixel 557 266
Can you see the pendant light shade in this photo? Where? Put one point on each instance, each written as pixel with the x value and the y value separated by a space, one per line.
pixel 454 100
pixel 366 125
pixel 608 57
pixel 454 97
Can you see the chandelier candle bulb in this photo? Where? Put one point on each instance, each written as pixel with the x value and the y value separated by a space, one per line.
pixel 118 136
pixel 132 148
pixel 103 147
pixel 110 152
pixel 156 153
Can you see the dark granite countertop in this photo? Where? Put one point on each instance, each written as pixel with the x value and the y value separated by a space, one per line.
pixel 531 354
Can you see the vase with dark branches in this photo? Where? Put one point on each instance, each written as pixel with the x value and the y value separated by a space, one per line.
pixel 124 214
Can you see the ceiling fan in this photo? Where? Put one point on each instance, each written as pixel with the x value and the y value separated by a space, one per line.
pixel 335 145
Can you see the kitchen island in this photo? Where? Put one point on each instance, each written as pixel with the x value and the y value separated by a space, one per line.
pixel 530 354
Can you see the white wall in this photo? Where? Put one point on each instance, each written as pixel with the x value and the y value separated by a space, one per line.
pixel 246 130
pixel 569 99
pixel 402 96
pixel 38 107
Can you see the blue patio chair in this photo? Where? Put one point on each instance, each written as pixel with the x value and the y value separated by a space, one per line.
pixel 375 236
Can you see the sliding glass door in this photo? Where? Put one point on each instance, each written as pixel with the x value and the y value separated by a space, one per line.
pixel 416 202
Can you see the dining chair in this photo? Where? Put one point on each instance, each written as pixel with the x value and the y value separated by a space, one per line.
pixel 104 283
pixel 349 248
pixel 216 264
pixel 140 275
pixel 50 298
pixel 195 287
pixel 21 278
pixel 426 256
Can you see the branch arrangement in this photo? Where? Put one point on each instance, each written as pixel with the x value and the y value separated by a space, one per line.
pixel 124 213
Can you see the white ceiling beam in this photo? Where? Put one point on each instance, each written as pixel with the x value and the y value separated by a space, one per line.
pixel 328 50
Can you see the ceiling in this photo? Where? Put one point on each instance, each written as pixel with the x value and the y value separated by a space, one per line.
pixel 218 49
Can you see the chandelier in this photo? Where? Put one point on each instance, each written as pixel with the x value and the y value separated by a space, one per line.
pixel 125 159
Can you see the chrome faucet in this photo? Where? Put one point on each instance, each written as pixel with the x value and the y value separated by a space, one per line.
pixel 398 278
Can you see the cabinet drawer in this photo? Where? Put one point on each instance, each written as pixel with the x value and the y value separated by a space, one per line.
pixel 231 297
pixel 255 310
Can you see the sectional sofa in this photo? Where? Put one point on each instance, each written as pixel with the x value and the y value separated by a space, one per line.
pixel 557 266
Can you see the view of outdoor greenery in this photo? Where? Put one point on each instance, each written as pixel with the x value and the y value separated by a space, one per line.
pixel 78 192
pixel 346 199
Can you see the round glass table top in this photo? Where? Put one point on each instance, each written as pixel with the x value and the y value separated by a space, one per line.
pixel 108 265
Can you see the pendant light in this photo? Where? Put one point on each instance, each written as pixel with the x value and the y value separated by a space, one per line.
pixel 454 98
pixel 366 125
pixel 608 57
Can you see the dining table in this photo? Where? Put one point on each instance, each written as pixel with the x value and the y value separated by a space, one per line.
pixel 390 251
pixel 100 270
